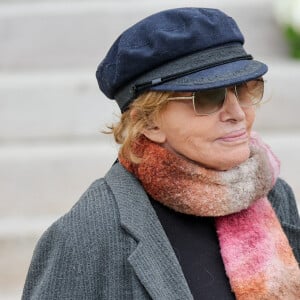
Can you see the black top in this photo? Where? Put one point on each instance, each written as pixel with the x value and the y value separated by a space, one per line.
pixel 196 246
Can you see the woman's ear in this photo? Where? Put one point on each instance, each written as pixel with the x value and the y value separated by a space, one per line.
pixel 153 130
pixel 155 134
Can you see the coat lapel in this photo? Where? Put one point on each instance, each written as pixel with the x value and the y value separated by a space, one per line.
pixel 153 260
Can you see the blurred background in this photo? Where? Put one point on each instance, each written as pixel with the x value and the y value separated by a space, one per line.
pixel 52 112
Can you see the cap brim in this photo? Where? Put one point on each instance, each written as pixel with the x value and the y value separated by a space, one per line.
pixel 219 76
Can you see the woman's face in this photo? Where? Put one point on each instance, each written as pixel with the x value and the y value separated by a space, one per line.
pixel 219 141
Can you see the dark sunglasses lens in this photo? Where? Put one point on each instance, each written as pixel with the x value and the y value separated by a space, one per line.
pixel 210 101
pixel 250 92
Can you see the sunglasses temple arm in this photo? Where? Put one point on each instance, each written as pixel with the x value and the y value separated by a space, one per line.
pixel 181 98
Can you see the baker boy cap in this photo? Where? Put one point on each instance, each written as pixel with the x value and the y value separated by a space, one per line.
pixel 182 49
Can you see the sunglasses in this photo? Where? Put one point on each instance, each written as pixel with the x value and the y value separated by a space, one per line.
pixel 207 102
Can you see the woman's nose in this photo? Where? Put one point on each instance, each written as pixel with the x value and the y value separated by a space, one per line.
pixel 232 109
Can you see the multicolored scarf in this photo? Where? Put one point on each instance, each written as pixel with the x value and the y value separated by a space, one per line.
pixel 258 259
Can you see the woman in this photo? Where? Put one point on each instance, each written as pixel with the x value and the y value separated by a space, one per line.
pixel 193 208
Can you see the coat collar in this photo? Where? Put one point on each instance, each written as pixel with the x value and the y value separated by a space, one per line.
pixel 153 260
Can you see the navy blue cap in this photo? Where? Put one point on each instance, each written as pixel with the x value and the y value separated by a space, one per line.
pixel 182 49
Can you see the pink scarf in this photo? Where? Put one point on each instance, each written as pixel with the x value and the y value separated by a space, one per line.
pixel 258 259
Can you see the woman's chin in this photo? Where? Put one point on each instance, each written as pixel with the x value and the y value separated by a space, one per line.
pixel 231 160
pixel 227 159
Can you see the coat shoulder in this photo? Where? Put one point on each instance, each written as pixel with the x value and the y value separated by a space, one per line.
pixel 77 248
pixel 284 203
pixel 91 216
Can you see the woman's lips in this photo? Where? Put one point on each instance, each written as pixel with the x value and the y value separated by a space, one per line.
pixel 237 135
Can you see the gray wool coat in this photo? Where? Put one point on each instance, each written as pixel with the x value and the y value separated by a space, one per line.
pixel 111 246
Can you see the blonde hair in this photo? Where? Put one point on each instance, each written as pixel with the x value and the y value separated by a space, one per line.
pixel 140 115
